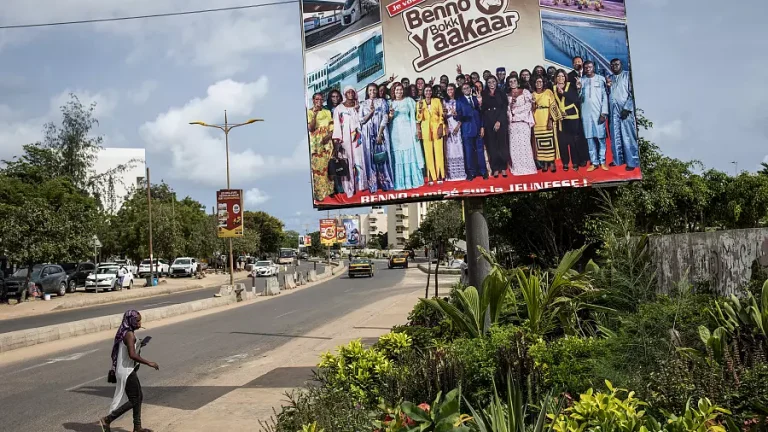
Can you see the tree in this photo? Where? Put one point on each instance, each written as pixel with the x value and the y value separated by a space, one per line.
pixel 379 241
pixel 316 248
pixel 270 230
pixel 443 222
pixel 290 239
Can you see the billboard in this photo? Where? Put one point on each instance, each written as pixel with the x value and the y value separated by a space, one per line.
pixel 548 104
pixel 307 241
pixel 352 232
pixel 229 213
pixel 327 232
pixel 301 241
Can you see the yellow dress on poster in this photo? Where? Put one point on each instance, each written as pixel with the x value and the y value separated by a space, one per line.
pixel 430 118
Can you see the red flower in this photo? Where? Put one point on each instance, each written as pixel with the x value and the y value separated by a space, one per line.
pixel 424 406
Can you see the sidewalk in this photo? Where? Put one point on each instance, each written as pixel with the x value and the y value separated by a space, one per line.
pixel 84 299
pixel 251 390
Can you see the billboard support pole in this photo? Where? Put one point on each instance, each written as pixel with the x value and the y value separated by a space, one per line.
pixel 231 257
pixel 477 237
pixel 149 217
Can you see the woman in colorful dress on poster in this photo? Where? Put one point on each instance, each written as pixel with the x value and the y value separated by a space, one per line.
pixel 320 125
pixel 430 117
pixel 346 134
pixel 408 160
pixel 374 115
pixel 454 148
pixel 520 123
pixel 543 129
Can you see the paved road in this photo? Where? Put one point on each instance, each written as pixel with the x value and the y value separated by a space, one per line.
pixel 65 316
pixel 69 392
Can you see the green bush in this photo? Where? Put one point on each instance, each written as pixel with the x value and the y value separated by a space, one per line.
pixel 394 345
pixel 356 370
pixel 330 409
pixel 571 364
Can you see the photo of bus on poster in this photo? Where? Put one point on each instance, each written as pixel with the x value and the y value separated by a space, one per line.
pixel 457 98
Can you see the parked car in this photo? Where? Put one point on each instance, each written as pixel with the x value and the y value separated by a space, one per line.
pixel 265 268
pixel 303 255
pixel 106 279
pixel 184 267
pixel 77 273
pixel 160 266
pixel 360 267
pixel 129 265
pixel 398 259
pixel 49 278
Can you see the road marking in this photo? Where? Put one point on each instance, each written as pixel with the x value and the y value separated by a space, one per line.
pixel 87 382
pixel 287 313
pixel 156 304
pixel 71 357
pixel 236 357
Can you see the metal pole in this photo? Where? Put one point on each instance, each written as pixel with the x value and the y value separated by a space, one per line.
pixel 151 255
pixel 231 259
pixel 477 236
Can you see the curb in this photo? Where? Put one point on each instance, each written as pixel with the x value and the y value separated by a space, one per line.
pixel 41 335
pixel 150 292
pixel 425 269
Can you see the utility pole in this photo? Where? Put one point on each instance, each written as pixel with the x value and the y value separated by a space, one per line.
pixel 477 236
pixel 173 216
pixel 226 127
pixel 151 255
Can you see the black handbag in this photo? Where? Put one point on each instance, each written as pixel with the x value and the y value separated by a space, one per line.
pixel 339 167
pixel 111 377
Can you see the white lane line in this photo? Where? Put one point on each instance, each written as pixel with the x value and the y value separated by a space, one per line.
pixel 287 313
pixel 156 304
pixel 71 357
pixel 87 382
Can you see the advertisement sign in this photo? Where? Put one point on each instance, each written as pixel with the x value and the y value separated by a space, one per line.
pixel 307 241
pixel 414 100
pixel 341 233
pixel 229 214
pixel 327 232
pixel 352 233
pixel 301 241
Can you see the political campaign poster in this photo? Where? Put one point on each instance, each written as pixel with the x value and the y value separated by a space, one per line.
pixel 229 214
pixel 457 98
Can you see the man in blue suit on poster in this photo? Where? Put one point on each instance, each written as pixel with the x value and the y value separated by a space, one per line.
pixel 623 126
pixel 468 112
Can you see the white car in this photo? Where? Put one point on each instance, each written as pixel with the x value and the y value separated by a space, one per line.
pixel 184 267
pixel 160 266
pixel 265 268
pixel 105 279
pixel 128 264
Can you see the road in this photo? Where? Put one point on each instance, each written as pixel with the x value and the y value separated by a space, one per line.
pixel 118 308
pixel 69 392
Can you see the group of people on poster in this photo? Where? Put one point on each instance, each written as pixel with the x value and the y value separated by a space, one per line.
pixel 402 136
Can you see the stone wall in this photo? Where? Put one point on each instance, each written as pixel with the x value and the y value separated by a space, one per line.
pixel 719 260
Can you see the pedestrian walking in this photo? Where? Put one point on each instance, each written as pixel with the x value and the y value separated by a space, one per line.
pixel 125 360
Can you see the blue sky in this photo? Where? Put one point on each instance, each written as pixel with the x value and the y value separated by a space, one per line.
pixel 697 72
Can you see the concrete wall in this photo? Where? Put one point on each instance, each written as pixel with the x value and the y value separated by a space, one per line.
pixel 721 260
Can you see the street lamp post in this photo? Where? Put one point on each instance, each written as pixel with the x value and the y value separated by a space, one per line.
pixel 226 127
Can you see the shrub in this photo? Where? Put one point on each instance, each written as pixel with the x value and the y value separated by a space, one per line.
pixel 329 409
pixel 394 345
pixel 570 364
pixel 356 370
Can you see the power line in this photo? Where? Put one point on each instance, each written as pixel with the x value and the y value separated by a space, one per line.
pixel 137 17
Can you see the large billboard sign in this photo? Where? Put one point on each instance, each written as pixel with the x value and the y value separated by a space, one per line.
pixel 229 215
pixel 327 232
pixel 414 100
pixel 352 231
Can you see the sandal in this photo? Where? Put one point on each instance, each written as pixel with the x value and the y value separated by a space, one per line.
pixel 104 426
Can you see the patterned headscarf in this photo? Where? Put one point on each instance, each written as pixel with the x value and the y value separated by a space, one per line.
pixel 130 323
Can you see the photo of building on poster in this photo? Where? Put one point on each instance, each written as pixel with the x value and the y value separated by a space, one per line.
pixel 328 20
pixel 607 8
pixel 457 98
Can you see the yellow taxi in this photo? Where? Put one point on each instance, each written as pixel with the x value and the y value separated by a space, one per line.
pixel 360 267
pixel 398 259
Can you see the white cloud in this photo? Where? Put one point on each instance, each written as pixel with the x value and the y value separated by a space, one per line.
pixel 197 153
pixel 670 131
pixel 18 128
pixel 142 94
pixel 254 197
pixel 222 41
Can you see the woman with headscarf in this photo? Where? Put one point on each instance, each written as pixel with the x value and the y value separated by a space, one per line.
pixel 454 148
pixel 573 149
pixel 408 158
pixel 430 117
pixel 495 124
pixel 374 115
pixel 544 118
pixel 346 135
pixel 128 394
pixel 320 125
pixel 520 116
